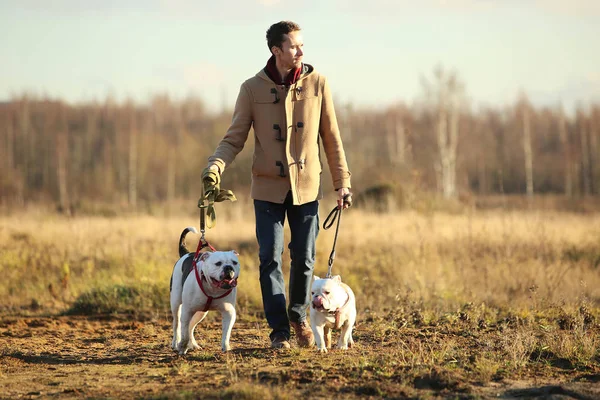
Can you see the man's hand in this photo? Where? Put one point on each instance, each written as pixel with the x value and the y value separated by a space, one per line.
pixel 212 192
pixel 341 193
pixel 211 183
pixel 212 168
pixel 210 176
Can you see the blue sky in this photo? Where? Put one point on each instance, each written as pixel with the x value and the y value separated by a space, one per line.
pixel 374 52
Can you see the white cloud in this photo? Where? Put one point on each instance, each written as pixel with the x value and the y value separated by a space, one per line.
pixel 576 8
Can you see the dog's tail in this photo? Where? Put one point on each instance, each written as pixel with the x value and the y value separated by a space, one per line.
pixel 182 248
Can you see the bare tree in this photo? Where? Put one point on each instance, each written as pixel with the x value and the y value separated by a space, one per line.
pixel 396 135
pixel 594 167
pixel 524 108
pixel 111 152
pixel 133 157
pixel 585 152
pixel 108 145
pixel 8 150
pixel 9 179
pixel 563 130
pixel 480 151
pixel 62 155
pixel 24 142
pixel 446 94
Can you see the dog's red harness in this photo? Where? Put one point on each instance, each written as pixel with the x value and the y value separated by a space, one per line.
pixel 200 276
pixel 209 298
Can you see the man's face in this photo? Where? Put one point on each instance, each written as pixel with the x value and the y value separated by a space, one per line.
pixel 291 54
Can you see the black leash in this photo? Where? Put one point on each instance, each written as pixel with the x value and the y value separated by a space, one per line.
pixel 336 213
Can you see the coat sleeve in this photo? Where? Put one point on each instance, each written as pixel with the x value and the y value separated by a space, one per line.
pixel 237 134
pixel 332 141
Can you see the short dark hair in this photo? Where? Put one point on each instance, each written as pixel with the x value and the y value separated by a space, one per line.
pixel 276 31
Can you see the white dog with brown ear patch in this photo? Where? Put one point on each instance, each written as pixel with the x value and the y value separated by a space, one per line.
pixel 333 306
pixel 195 291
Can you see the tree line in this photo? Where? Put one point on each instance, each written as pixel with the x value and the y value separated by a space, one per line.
pixel 127 153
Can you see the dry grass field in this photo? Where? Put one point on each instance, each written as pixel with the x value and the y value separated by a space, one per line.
pixel 463 305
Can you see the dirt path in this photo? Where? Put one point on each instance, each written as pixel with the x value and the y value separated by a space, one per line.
pixel 77 357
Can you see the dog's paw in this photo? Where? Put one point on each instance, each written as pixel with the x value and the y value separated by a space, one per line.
pixel 182 349
pixel 194 346
pixel 343 347
pixel 322 350
pixel 226 347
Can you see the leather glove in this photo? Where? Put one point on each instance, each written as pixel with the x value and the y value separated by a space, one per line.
pixel 211 182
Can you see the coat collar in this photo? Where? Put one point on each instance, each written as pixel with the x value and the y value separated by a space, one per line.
pixel 307 70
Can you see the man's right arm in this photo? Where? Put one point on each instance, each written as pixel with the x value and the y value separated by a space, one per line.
pixel 237 134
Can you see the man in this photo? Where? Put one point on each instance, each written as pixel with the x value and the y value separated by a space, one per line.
pixel 290 106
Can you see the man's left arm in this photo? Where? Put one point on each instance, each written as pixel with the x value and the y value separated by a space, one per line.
pixel 332 143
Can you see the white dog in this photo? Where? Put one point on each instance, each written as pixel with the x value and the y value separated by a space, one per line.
pixel 333 306
pixel 195 291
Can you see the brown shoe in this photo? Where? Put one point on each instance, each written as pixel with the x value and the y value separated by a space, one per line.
pixel 280 342
pixel 304 334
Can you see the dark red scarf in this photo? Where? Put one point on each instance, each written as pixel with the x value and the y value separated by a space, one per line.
pixel 273 73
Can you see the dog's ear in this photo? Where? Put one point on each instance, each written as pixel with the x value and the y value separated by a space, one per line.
pixel 337 278
pixel 315 277
pixel 235 252
pixel 204 256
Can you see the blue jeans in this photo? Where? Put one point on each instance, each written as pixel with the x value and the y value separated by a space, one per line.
pixel 304 227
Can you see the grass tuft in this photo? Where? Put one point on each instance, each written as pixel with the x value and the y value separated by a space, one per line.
pixel 121 299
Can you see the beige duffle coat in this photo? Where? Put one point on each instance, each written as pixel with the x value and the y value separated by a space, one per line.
pixel 289 123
